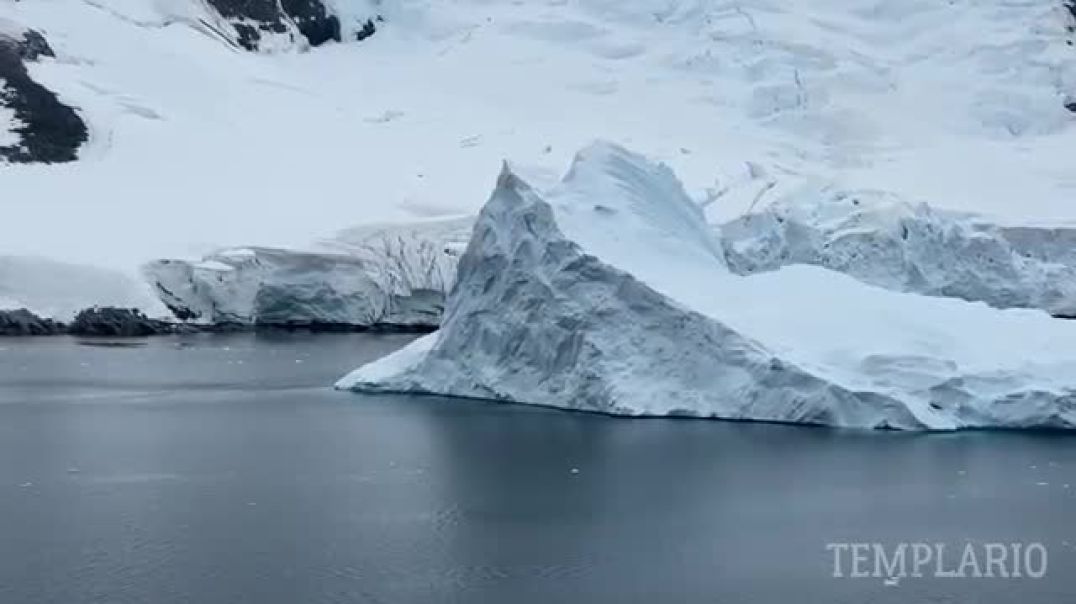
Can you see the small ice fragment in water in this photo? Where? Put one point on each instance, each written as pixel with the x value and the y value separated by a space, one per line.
pixel 73 470
pixel 1042 484
pixel 892 582
pixel 26 484
pixel 575 470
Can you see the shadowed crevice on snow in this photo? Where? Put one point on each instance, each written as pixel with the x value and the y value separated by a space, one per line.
pixel 48 131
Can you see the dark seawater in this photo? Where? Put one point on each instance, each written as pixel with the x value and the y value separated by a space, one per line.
pixel 222 469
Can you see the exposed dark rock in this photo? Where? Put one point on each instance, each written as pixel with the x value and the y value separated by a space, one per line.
pixel 25 323
pixel 34 46
pixel 1071 6
pixel 252 19
pixel 48 130
pixel 123 322
pixel 1071 106
pixel 311 19
pixel 368 29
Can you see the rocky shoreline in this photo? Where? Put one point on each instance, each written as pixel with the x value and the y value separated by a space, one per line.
pixel 130 322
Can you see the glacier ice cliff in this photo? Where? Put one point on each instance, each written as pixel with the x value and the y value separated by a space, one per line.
pixel 609 293
pixel 376 276
pixel 881 239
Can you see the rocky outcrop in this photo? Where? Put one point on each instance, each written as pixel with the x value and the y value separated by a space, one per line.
pixel 22 322
pixel 48 131
pixel 885 241
pixel 118 322
pixel 123 322
pixel 272 24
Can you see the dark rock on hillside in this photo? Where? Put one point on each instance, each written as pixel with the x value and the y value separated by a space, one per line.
pixel 254 20
pixel 313 20
pixel 48 130
pixel 124 322
pixel 368 29
pixel 25 323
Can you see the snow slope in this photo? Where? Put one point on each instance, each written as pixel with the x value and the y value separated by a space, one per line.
pixel 196 145
pixel 49 288
pixel 610 293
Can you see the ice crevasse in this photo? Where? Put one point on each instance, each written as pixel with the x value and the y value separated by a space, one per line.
pixel 610 293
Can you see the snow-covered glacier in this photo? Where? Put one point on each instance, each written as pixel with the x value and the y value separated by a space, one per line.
pixel 610 293
pixel 884 240
pixel 373 276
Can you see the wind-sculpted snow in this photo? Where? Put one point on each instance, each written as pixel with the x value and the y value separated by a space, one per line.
pixel 391 276
pixel 882 240
pixel 609 293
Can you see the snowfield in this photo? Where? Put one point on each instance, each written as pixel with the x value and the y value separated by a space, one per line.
pixel 196 145
pixel 610 293
pixel 59 290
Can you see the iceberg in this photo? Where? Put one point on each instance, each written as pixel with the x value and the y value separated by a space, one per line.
pixel 389 276
pixel 610 293
pixel 881 239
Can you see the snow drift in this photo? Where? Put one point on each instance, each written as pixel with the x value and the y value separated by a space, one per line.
pixel 609 293
pixel 883 240
pixel 389 276
pixel 59 290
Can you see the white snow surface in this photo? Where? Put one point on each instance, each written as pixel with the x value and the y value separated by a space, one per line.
pixel 609 293
pixel 8 123
pixel 59 290
pixel 887 241
pixel 195 146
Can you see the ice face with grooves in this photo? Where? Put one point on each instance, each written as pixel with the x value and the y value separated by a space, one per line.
pixel 884 240
pixel 608 293
pixel 387 275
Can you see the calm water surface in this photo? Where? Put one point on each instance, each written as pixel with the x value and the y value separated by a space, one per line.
pixel 221 469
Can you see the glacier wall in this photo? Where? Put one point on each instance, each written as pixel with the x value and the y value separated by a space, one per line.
pixel 377 276
pixel 609 294
pixel 883 240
